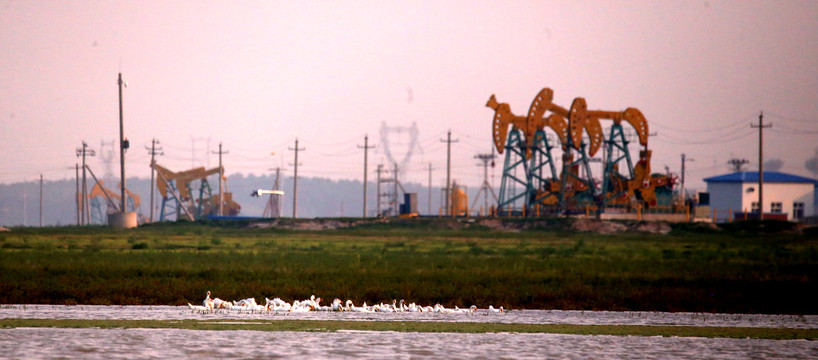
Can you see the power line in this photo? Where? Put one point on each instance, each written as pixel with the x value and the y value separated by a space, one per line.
pixel 781 117
pixel 712 141
pixel 795 131
pixel 734 124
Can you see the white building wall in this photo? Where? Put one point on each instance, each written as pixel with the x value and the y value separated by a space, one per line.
pixel 786 194
pixel 725 197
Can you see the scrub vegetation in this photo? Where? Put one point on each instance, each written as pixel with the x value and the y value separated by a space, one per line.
pixel 544 267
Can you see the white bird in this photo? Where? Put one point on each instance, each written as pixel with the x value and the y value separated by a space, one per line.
pixel 314 304
pixel 277 305
pixel 443 310
pixel 311 303
pixel 221 304
pixel 300 306
pixel 336 305
pixel 411 307
pixel 469 311
pixel 257 308
pixel 197 308
pixel 246 302
pixel 208 303
pixel 351 307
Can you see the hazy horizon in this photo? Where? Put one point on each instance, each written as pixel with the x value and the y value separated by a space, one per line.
pixel 257 75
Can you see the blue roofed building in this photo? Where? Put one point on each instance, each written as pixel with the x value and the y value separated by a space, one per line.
pixel 786 196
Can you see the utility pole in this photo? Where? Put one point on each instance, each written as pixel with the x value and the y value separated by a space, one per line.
pixel 761 127
pixel 366 148
pixel 485 188
pixel 430 189
pixel 123 145
pixel 448 142
pixel 84 151
pixel 395 195
pixel 295 178
pixel 380 169
pixel 77 193
pixel 153 152
pixel 41 200
pixel 684 159
pixel 25 207
pixel 221 177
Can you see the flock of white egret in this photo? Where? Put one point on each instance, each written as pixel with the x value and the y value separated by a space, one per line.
pixel 249 305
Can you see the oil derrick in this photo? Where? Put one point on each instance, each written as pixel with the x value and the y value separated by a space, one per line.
pixel 188 193
pixel 528 151
pixel 619 186
pixel 99 194
pixel 581 136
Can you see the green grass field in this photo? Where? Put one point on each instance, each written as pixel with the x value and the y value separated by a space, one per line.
pixel 424 326
pixel 422 261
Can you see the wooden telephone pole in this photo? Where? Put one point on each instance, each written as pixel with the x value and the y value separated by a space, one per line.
pixel 295 178
pixel 366 148
pixel 221 179
pixel 761 128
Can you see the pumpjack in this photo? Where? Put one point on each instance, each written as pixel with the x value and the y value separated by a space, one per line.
pixel 580 134
pixel 177 197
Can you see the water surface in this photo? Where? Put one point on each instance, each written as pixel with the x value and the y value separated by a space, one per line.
pixel 40 343
pixel 98 312
pixel 93 343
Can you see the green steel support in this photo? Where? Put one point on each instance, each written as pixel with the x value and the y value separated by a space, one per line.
pixel 515 158
pixel 618 141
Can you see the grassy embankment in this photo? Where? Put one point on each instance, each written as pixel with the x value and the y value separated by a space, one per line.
pixel 172 264
pixel 424 326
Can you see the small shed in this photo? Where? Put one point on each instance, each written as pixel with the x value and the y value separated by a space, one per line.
pixel 786 196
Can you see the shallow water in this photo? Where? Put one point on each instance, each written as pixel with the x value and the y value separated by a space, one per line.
pixel 91 343
pixel 40 343
pixel 98 312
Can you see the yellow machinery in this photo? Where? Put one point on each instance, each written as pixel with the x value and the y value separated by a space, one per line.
pixel 528 151
pixel 179 185
pixel 112 200
pixel 579 131
pixel 460 201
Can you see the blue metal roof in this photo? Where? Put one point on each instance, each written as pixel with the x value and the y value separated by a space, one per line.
pixel 752 177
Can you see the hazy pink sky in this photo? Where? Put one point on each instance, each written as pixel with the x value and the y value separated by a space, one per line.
pixel 256 75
